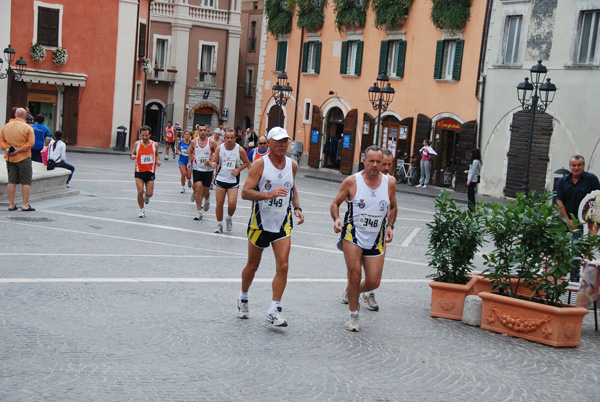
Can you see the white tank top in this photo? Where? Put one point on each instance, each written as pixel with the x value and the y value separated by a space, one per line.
pixel 366 218
pixel 228 160
pixel 201 155
pixel 273 215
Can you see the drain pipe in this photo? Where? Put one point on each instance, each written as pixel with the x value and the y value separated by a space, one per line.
pixel 298 83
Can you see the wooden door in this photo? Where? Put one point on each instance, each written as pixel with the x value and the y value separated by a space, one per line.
pixel 466 142
pixel 422 132
pixel 404 138
pixel 275 115
pixel 70 114
pixel 348 142
pixel 366 137
pixel 314 150
pixel 517 153
pixel 18 95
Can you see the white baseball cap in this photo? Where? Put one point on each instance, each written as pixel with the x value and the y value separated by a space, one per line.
pixel 277 133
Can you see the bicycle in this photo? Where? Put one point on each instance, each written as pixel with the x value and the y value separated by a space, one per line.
pixel 401 173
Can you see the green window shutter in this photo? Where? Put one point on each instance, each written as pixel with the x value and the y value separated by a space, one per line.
pixel 383 56
pixel 281 56
pixel 401 59
pixel 318 58
pixel 305 57
pixel 460 45
pixel 344 60
pixel 359 53
pixel 439 60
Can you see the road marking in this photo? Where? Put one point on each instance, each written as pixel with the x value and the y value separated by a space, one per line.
pixel 114 255
pixel 410 237
pixel 189 280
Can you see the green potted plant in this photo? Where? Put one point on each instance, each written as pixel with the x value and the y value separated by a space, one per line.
pixel 279 16
pixel 59 56
pixel 390 13
pixel 455 235
pixel 350 13
pixel 38 52
pixel 452 15
pixel 532 250
pixel 310 14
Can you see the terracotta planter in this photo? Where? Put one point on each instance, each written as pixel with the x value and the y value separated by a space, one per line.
pixel 447 299
pixel 483 284
pixel 550 325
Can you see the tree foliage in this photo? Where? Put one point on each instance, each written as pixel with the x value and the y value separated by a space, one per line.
pixel 389 13
pixel 350 12
pixel 310 14
pixel 279 16
pixel 450 14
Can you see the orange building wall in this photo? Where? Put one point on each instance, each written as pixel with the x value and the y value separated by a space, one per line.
pixel 416 93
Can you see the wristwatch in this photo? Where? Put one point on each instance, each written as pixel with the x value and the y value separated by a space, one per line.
pixel 392 225
pixel 297 209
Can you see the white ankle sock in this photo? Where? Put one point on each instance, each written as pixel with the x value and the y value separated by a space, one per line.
pixel 275 304
pixel 243 296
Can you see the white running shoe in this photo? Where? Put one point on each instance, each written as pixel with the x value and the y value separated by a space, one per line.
pixel 206 205
pixel 142 214
pixel 167 157
pixel 424 185
pixel 276 318
pixel 146 199
pixel 242 309
pixel 182 190
pixel 344 298
pixel 352 323
pixel 219 228
pixel 192 198
pixel 189 183
pixel 419 186
pixel 369 300
pixel 229 223
pixel 199 216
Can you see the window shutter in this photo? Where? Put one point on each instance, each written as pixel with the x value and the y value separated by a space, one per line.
pixel 142 41
pixel 48 26
pixel 281 56
pixel 54 18
pixel 439 60
pixel 401 59
pixel 344 59
pixel 318 58
pixel 460 45
pixel 383 56
pixel 359 53
pixel 305 57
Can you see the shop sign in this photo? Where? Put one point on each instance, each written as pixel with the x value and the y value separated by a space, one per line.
pixel 314 136
pixel 448 124
pixel 42 97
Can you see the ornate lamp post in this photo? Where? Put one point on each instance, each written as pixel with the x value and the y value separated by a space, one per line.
pixel 281 93
pixel 539 103
pixel 10 73
pixel 381 95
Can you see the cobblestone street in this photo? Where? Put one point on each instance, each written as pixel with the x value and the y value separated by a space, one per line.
pixel 99 305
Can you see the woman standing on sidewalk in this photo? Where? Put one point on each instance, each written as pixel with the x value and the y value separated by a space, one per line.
pixel 57 151
pixel 427 153
pixel 473 177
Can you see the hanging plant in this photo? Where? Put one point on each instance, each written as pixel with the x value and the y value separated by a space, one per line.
pixel 310 14
pixel 38 52
pixel 390 13
pixel 452 15
pixel 146 66
pixel 279 16
pixel 350 12
pixel 59 55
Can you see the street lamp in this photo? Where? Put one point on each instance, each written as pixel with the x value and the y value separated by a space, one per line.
pixel 281 93
pixel 10 73
pixel 380 96
pixel 539 103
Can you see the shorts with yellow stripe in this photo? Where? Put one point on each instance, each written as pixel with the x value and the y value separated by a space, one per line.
pixel 351 234
pixel 263 239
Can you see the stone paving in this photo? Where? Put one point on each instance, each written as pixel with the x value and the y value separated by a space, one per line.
pixel 99 305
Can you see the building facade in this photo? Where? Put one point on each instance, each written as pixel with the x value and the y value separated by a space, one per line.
pixel 99 86
pixel 434 73
pixel 564 36
pixel 194 50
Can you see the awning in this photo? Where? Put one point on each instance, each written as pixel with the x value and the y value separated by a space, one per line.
pixel 55 78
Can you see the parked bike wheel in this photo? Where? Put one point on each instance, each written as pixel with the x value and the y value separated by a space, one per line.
pixel 399 175
pixel 413 177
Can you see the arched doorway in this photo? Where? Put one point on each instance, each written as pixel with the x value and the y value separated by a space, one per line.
pixel 334 131
pixel 446 139
pixel 153 117
pixel 276 118
pixel 247 123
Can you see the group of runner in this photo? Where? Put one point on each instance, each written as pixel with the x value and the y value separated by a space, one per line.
pixel 366 228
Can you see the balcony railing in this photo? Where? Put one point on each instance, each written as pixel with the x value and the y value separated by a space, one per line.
pixel 207 78
pixel 200 14
pixel 162 73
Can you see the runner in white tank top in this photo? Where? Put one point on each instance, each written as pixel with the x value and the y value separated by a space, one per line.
pixel 271 188
pixel 368 224
pixel 231 160
pixel 201 150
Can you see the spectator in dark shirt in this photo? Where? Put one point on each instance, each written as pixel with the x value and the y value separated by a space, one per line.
pixel 41 133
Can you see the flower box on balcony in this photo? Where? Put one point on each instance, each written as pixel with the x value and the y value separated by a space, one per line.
pixel 158 69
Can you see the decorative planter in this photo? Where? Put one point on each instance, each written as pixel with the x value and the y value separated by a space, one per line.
pixel 550 325
pixel 447 299
pixel 483 284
